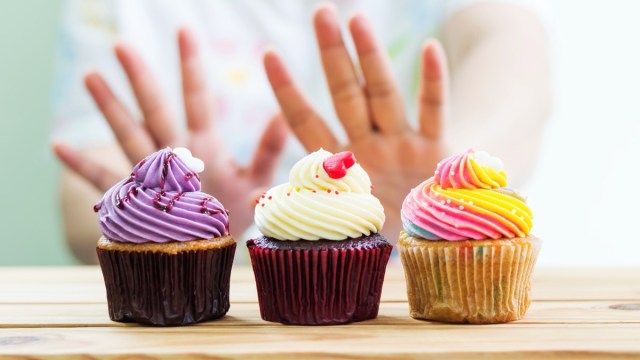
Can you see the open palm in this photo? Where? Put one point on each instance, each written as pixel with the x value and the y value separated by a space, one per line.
pixel 372 114
pixel 234 185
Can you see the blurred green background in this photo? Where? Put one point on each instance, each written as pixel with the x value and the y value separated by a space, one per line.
pixel 31 233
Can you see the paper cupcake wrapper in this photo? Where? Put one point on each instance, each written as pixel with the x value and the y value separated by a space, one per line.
pixel 319 286
pixel 475 282
pixel 162 289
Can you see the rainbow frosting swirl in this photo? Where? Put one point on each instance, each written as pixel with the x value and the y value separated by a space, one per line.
pixel 327 197
pixel 466 199
pixel 161 202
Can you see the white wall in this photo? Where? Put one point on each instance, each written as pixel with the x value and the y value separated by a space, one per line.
pixel 586 193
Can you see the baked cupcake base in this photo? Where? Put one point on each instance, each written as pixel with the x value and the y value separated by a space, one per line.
pixel 170 284
pixel 472 281
pixel 320 282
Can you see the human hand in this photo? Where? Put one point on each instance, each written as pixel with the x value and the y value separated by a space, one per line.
pixel 372 114
pixel 234 185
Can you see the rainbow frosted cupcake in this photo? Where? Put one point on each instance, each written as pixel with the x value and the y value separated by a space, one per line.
pixel 166 251
pixel 466 249
pixel 321 260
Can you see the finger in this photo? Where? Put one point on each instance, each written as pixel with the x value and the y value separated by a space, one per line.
pixel 306 124
pixel 133 138
pixel 269 149
pixel 98 175
pixel 157 115
pixel 349 100
pixel 197 99
pixel 433 89
pixel 387 110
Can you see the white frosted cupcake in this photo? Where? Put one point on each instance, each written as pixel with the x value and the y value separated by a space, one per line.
pixel 321 260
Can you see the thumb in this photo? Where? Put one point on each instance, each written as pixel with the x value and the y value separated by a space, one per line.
pixel 269 149
pixel 97 174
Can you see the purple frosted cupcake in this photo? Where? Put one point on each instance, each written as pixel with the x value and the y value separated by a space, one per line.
pixel 322 259
pixel 166 251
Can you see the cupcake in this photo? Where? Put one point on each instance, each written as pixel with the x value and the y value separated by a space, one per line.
pixel 321 259
pixel 466 249
pixel 166 252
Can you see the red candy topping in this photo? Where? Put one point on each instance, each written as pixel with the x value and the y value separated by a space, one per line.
pixel 337 165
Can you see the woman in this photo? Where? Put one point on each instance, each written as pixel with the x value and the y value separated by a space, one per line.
pixel 498 98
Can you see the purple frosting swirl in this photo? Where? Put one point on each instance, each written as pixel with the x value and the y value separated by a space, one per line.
pixel 160 202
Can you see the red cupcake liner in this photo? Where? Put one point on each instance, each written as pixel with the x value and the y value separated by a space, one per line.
pixel 324 286
pixel 155 288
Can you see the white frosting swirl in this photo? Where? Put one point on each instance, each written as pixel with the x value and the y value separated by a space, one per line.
pixel 313 206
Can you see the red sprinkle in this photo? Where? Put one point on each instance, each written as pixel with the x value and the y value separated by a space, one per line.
pixel 262 205
pixel 270 197
pixel 329 191
pixel 288 194
pixel 337 192
pixel 317 176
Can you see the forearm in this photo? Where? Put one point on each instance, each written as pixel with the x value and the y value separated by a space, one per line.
pixel 500 91
pixel 80 225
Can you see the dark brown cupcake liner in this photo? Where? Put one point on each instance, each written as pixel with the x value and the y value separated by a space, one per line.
pixel 164 289
pixel 322 286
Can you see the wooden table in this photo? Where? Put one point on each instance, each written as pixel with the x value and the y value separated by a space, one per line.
pixel 58 312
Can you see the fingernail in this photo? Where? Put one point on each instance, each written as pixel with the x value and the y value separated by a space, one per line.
pixel 326 13
pixel 326 6
pixel 270 58
pixel 119 46
pixel 184 29
pixel 269 50
pixel 188 45
pixel 90 79
pixel 359 21
pixel 431 66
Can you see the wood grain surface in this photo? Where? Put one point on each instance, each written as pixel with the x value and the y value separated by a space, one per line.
pixel 51 313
